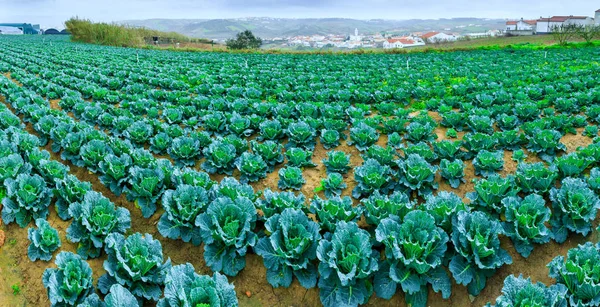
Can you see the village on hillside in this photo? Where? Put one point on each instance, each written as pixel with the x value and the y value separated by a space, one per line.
pixel 521 27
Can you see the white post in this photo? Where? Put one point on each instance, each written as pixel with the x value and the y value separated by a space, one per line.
pixel 407 66
pixel 545 54
pixel 137 55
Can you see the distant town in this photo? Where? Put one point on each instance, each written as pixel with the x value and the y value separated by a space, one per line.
pixel 356 40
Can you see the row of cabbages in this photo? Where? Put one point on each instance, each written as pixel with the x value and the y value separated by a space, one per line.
pixel 186 146
pixel 135 268
pixel 415 241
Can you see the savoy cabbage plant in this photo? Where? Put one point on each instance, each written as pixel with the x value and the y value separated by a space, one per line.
pixel 337 162
pixel 535 177
pixel 227 232
pixel 290 248
pixel 94 218
pixel 371 177
pixel 70 282
pixel 220 158
pixel 487 163
pixel 378 206
pixel 299 157
pixel 579 274
pixel 332 185
pixel 574 206
pixel 69 190
pixel 115 171
pixel 185 288
pixel 92 153
pixel 301 134
pixel 44 241
pixel 347 262
pixel 330 211
pixel 362 136
pixel 12 165
pixel 414 251
pixel 252 167
pixel 416 174
pixel 475 237
pixel 270 151
pixel 525 222
pixel 518 291
pixel 145 186
pixel 136 263
pixel 276 202
pixel 453 172
pixel 444 207
pixel 489 193
pixel 27 198
pixel 182 206
pixel 290 178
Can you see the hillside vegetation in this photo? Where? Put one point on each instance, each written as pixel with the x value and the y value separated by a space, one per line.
pixel 86 31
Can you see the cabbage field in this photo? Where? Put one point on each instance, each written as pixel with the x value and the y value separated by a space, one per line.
pixel 153 178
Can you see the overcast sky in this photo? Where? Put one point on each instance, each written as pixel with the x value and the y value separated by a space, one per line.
pixel 52 13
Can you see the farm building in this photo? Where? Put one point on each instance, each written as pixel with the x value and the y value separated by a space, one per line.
pixel 436 37
pixel 53 31
pixel 545 25
pixel 10 31
pixel 403 42
pixel 26 28
pixel 521 27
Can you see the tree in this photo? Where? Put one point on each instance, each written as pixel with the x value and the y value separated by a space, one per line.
pixel 244 40
pixel 588 32
pixel 563 32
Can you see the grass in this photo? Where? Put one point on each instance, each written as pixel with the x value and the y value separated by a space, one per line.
pixel 86 31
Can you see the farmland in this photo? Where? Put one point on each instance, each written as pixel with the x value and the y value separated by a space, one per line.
pixel 302 180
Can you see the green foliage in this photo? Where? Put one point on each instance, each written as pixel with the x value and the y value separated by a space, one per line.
pixel 182 206
pixel 574 206
pixel 94 218
pixel 417 175
pixel 136 263
pixel 453 171
pixel 70 282
pixel 518 291
pixel 347 261
pixel 487 163
pixel 184 287
pixel 290 248
pixel 244 40
pixel 475 237
pixel 226 229
pixel 44 241
pixel 27 198
pixel 337 162
pixel 525 222
pixel 579 274
pixel 414 251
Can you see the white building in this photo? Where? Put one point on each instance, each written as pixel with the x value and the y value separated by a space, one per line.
pixel 545 25
pixel 521 25
pixel 10 31
pixel 597 17
pixel 355 37
pixel 403 42
pixel 438 37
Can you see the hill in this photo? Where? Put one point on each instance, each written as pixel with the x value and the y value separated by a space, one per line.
pixel 268 28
